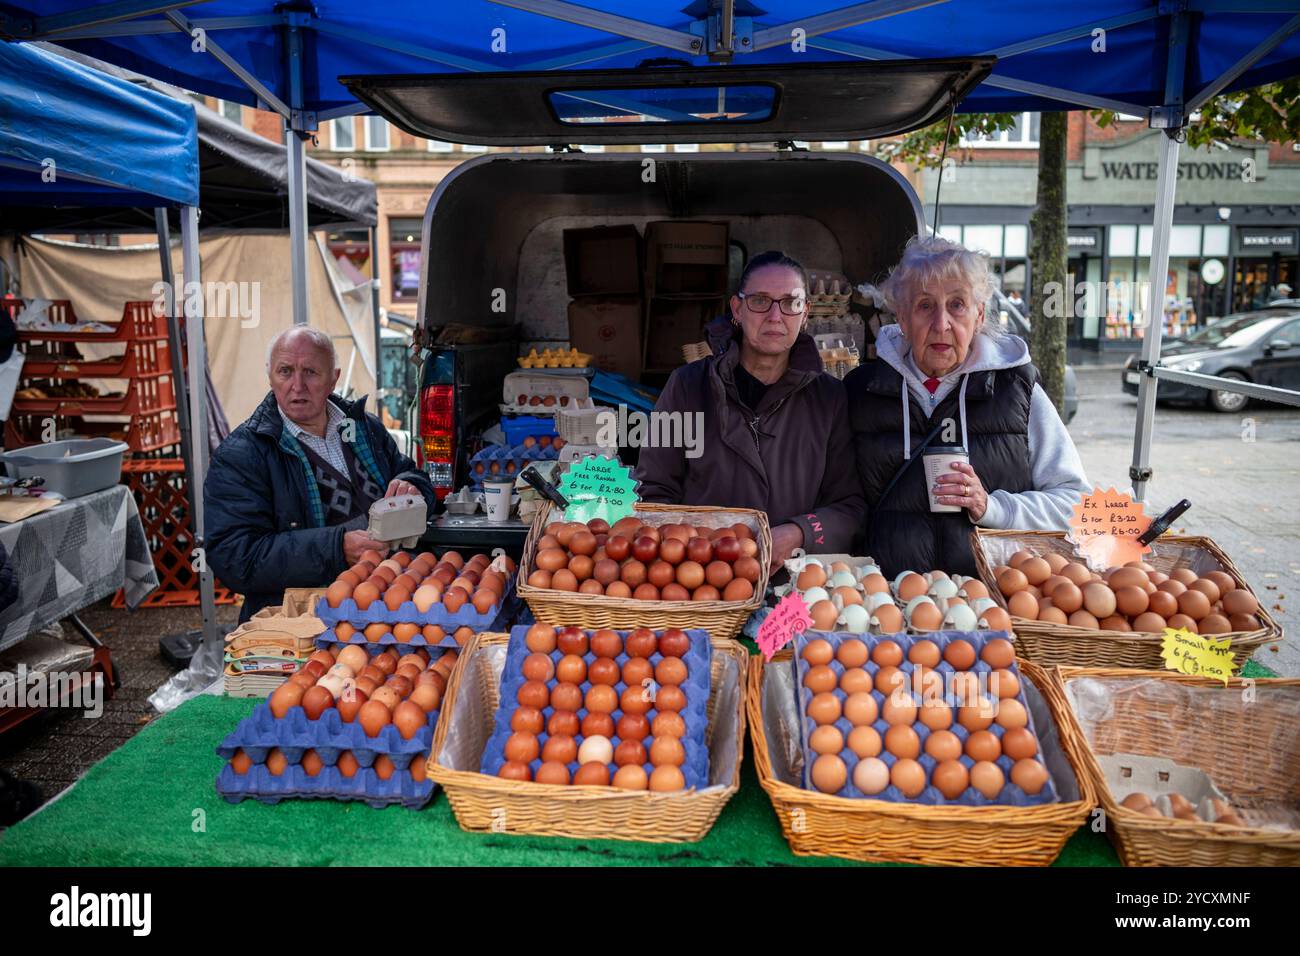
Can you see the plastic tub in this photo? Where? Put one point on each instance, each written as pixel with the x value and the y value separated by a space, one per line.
pixel 75 467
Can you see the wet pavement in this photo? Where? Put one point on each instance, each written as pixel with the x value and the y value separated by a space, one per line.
pixel 1240 473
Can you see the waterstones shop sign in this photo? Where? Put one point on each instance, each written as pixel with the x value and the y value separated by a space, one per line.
pixel 1225 170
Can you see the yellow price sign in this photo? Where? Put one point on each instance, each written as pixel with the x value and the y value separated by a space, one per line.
pixel 1197 655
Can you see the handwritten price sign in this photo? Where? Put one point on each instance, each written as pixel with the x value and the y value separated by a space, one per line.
pixel 1197 655
pixel 788 618
pixel 598 487
pixel 1105 528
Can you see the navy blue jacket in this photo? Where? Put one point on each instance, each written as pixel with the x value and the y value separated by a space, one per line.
pixel 264 523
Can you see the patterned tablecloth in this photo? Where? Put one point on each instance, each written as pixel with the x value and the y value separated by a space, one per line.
pixel 73 555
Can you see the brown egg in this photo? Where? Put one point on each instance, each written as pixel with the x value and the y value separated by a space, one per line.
pixel 633 700
pixel 534 693
pixel 1182 620
pixel 899 708
pixel 1019 558
pixel 631 776
pixel 561 723
pixel 875 583
pixel 824 708
pixel 1206 587
pixel 1086 619
pixel 995 619
pixel 853 653
pixel 374 716
pixel 925 653
pixel 1136 801
pixel 960 654
pixel 1098 600
pixel 667 751
pixel 1012 581
pixel 540 579
pixel 1067 596
pixel 926 617
pixel 887 654
pixel 666 779
pixel 1214 624
pixel 1004 684
pixel 812 576
pixel 1194 604
pixel 562 748
pixel 943 745
pixel 338 592
pixel 527 720
pixel 637 671
pixel 824 615
pixel 935 714
pixel 1029 775
pixel 826 739
pixel 1127 578
pixel 865 741
pixel 522 747
pixel 908 776
pixel 553 772
pixel 1244 622
pixel 1131 601
pixel 1012 714
pixel 597 724
pixel 987 778
pixel 888 619
pixel 673 671
pixel 829 773
pixel 276 762
pixel 1149 622
pixel 983 745
pixel 951 779
pixel 1035 570
pixel 820 679
pixel 971 590
pixel 1056 562
pixel 285 696
pixel 977 716
pixel 912 585
pixel 365 594
pixel 1239 601
pixel 1019 743
pixel 538 667
pixel 668 724
pixel 315 701
pixel 592 775
pixel 1225 581
pixel 1162 603
pixel 1077 573
pixel 861 708
pixel 1172 586
pixel 857 680
pixel 998 653
pixel 1023 604
pixel 1184 575
pixel 514 770
pixel 902 741
pixel 571 669
pixel 818 651
pixel 408 718
pixel 1053 615
pixel 604 670
pixel 889 679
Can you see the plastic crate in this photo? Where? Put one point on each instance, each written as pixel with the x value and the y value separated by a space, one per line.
pixel 527 426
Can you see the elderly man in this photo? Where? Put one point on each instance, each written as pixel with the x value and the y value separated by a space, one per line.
pixel 288 494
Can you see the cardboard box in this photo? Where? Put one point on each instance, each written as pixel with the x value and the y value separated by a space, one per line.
pixel 605 260
pixel 609 328
pixel 686 258
pixel 672 323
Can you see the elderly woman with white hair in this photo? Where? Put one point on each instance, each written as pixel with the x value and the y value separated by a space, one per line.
pixel 949 382
pixel 288 495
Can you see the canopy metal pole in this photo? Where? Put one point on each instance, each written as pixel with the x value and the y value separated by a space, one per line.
pixel 177 353
pixel 297 157
pixel 198 409
pixel 374 308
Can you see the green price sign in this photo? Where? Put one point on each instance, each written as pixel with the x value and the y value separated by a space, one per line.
pixel 598 487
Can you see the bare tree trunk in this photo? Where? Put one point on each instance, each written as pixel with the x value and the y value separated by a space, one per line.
pixel 1047 254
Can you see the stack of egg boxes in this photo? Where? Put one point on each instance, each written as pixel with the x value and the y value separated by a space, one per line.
pixel 294 734
pixel 509 462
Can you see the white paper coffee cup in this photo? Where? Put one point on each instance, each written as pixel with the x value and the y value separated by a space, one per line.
pixel 938 461
pixel 496 496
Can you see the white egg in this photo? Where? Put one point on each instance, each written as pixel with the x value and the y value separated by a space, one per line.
pixel 862 570
pixel 936 576
pixel 843 579
pixel 813 595
pixel 911 605
pixel 980 605
pixel 943 588
pixel 960 618
pixel 873 601
pixel 855 619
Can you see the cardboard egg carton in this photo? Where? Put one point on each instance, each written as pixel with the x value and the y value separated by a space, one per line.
pixel 1159 779
pixel 400 520
pixel 527 393
pixel 829 293
pixel 555 358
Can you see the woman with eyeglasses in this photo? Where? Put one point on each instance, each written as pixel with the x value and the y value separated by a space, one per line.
pixel 775 434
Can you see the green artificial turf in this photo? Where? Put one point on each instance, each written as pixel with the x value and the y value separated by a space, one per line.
pixel 138 807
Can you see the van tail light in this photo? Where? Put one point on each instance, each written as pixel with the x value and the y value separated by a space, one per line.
pixel 437 431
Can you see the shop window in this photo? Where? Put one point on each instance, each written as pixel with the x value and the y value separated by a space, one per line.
pixel 1023 135
pixel 951 233
pixel 343 134
pixel 438 146
pixel 231 111
pixel 686 148
pixel 376 134
pixel 835 144
pixel 1016 242
pixel 351 251
pixel 594 148
pixel 654 148
pixel 1214 241
pixel 986 239
pixel 1123 241
pixel 404 258
pixel 1185 241
pixel 473 148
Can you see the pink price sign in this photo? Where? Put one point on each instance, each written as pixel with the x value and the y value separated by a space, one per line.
pixel 788 618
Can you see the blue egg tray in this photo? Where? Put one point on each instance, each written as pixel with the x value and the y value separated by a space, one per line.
pixel 1011 795
pixel 328 784
pixel 496 618
pixel 698 661
pixel 512 460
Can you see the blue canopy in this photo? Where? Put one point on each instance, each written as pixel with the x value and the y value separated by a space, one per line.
pixel 71 136
pixel 1051 55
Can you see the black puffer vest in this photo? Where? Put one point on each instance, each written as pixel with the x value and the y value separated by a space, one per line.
pixel 902 533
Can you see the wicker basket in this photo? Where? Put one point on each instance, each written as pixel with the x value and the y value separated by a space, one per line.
pixel 1046 643
pixel 817 824
pixel 484 803
pixel 1251 751
pixel 722 619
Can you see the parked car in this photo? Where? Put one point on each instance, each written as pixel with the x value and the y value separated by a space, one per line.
pixel 1261 346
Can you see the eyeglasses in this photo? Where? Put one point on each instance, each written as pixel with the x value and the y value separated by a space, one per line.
pixel 761 303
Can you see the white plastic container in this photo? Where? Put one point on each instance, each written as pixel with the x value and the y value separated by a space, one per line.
pixel 75 467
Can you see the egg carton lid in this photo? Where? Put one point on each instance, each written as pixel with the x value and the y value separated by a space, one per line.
pixel 1128 773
